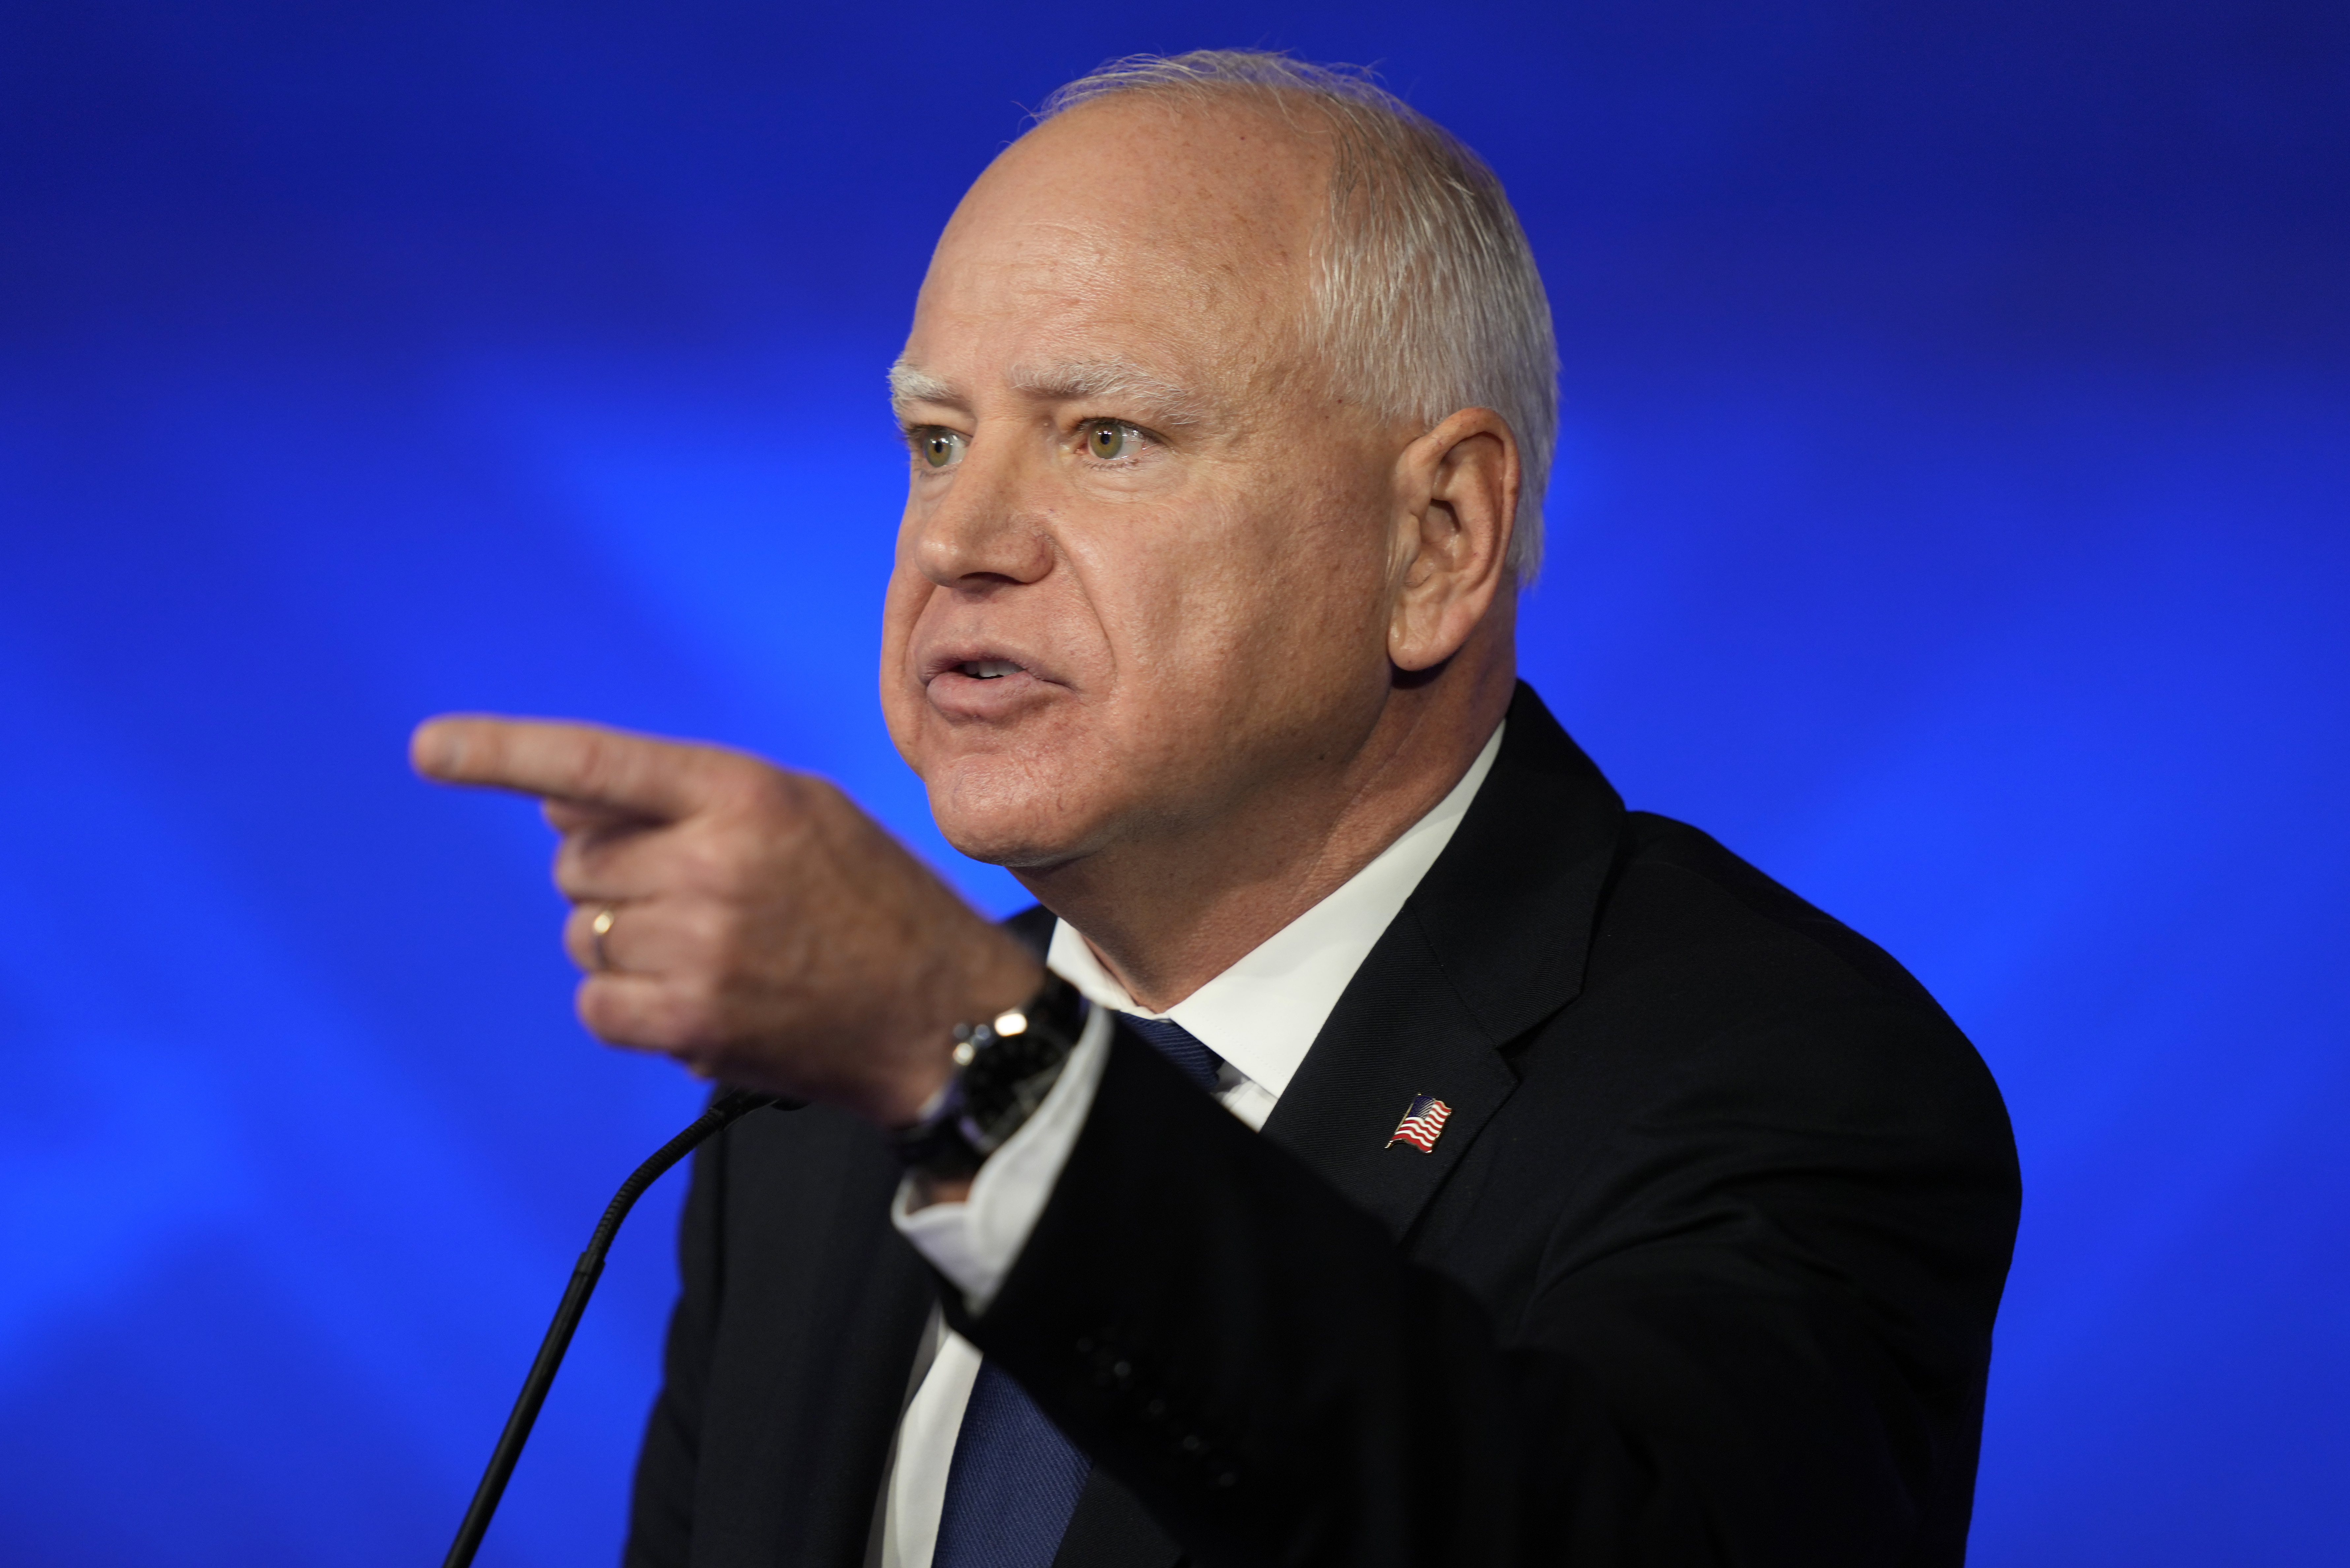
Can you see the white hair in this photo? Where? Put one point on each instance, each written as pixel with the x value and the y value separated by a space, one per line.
pixel 1427 300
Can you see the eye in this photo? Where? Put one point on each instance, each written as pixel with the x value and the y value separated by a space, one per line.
pixel 1108 439
pixel 940 448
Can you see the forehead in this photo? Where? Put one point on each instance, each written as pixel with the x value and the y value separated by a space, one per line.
pixel 1135 227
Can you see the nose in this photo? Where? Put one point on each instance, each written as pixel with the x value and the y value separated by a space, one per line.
pixel 990 526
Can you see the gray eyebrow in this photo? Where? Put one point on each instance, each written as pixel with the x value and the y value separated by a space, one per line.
pixel 1108 380
pixel 909 386
pixel 1112 380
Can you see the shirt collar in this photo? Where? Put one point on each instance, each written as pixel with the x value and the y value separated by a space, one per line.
pixel 1261 1014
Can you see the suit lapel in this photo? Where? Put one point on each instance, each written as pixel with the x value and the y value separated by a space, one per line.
pixel 1398 1033
pixel 1490 944
pixel 1508 907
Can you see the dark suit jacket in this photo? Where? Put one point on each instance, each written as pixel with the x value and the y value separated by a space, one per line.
pixel 1701 1270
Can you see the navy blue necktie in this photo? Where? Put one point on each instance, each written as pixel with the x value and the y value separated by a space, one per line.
pixel 1014 1480
pixel 1179 1045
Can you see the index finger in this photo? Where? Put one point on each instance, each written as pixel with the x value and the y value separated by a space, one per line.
pixel 558 760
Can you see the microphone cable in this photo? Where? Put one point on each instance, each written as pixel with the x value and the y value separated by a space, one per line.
pixel 730 1107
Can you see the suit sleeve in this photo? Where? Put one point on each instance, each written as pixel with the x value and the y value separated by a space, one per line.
pixel 660 1511
pixel 1759 1337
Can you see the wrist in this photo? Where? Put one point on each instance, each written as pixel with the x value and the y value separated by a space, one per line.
pixel 1006 979
pixel 1004 1066
pixel 984 981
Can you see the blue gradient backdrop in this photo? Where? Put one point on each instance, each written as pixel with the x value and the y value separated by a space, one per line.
pixel 1950 517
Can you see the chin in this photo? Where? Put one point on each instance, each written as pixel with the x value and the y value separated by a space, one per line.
pixel 1007 813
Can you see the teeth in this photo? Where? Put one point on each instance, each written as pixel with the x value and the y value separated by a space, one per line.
pixel 989 668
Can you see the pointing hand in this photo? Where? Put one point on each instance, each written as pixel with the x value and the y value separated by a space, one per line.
pixel 756 926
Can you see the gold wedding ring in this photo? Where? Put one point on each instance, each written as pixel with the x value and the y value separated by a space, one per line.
pixel 598 929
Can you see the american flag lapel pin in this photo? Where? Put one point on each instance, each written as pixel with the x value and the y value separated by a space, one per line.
pixel 1421 1124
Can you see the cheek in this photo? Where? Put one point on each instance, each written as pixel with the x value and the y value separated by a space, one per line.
pixel 902 703
pixel 1252 613
pixel 1318 608
pixel 902 609
pixel 1305 562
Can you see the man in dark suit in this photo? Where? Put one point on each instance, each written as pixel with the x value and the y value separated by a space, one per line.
pixel 1385 1149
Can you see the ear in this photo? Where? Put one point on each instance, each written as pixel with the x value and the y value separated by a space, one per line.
pixel 1456 505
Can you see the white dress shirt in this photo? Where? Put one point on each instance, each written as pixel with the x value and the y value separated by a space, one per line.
pixel 1261 1016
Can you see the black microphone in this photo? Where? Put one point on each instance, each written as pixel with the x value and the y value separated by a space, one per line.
pixel 730 1106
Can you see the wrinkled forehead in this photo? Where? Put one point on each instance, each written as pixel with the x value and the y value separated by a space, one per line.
pixel 1179 232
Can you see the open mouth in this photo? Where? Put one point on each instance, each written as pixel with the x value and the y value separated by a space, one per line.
pixel 988 669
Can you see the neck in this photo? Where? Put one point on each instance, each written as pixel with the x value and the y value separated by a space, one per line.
pixel 1169 914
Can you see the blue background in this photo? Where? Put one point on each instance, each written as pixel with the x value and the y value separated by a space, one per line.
pixel 1950 517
